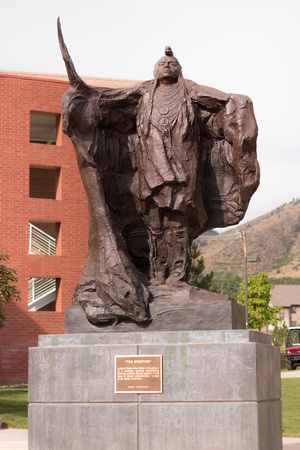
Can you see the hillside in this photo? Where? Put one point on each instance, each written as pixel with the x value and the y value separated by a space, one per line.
pixel 275 237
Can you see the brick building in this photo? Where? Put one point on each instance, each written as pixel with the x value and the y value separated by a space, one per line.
pixel 43 212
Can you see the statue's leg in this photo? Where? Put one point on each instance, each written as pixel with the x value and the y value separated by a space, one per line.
pixel 179 248
pixel 170 257
pixel 159 242
pixel 158 256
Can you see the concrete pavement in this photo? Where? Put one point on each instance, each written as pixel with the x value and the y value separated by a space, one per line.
pixel 13 439
pixel 289 443
pixel 291 374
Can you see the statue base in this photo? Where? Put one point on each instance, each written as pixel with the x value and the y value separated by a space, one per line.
pixel 183 308
pixel 221 390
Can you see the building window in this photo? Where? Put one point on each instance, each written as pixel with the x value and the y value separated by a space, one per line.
pixel 293 309
pixel 43 128
pixel 43 238
pixel 42 293
pixel 43 182
pixel 281 316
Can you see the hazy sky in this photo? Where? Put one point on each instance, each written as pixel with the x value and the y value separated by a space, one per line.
pixel 248 47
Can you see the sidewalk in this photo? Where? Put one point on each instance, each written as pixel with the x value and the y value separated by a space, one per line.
pixel 13 439
pixel 291 374
pixel 289 443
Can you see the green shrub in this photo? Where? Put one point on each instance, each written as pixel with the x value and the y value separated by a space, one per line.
pixel 279 335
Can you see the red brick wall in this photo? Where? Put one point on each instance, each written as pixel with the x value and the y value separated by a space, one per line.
pixel 19 95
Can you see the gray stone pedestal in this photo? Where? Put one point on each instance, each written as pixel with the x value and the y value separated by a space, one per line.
pixel 221 391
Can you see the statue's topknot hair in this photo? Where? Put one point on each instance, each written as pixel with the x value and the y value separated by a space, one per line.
pixel 168 51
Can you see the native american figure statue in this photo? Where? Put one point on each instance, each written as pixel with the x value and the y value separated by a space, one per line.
pixel 161 163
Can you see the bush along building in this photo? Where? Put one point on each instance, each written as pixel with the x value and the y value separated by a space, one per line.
pixel 44 213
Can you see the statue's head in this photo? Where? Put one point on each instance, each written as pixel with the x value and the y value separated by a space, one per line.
pixel 167 70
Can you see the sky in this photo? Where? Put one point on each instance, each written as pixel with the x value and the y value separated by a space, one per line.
pixel 237 46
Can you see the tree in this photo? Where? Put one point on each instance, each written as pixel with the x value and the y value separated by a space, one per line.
pixel 196 277
pixel 227 284
pixel 8 291
pixel 279 335
pixel 259 310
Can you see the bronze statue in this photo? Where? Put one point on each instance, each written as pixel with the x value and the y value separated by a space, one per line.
pixel 161 163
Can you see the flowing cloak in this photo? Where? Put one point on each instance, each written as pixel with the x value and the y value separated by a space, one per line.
pixel 111 130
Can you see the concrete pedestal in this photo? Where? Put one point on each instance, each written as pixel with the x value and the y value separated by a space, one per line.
pixel 221 390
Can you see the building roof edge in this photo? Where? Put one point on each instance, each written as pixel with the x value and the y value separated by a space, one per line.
pixel 94 81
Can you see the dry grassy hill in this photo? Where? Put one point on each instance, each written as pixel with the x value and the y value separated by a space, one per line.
pixel 275 237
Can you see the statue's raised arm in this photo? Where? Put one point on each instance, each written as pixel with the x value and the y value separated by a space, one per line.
pixel 74 78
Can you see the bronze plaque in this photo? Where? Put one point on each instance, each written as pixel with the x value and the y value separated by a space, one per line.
pixel 138 374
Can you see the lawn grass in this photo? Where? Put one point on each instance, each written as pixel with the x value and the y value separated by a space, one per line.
pixel 14 408
pixel 290 396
